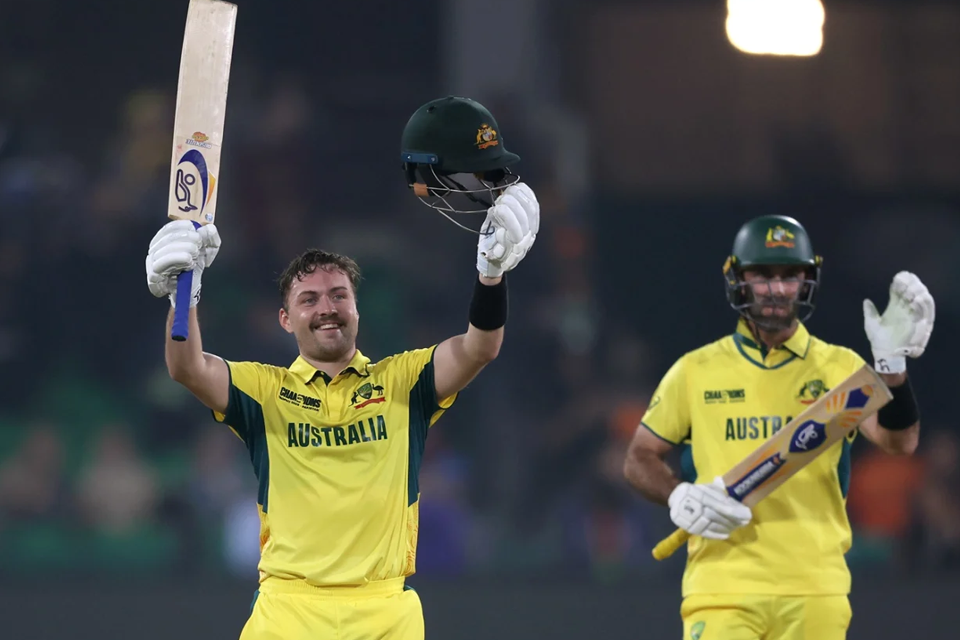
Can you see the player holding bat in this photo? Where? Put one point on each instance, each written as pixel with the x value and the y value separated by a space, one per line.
pixel 784 576
pixel 336 439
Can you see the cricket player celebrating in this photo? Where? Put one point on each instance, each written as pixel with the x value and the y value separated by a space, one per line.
pixel 784 576
pixel 335 439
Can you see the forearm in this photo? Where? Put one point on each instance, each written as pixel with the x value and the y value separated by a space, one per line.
pixel 184 358
pixel 488 311
pixel 900 420
pixel 650 475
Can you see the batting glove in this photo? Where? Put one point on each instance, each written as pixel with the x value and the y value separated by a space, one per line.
pixel 707 510
pixel 509 230
pixel 905 326
pixel 178 247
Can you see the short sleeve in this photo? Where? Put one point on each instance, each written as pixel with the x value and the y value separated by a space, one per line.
pixel 413 370
pixel 668 414
pixel 251 384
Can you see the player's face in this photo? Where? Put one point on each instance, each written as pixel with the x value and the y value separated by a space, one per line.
pixel 774 290
pixel 322 314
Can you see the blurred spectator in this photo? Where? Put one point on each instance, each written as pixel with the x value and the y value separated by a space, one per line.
pixel 936 535
pixel 883 489
pixel 117 491
pixel 32 482
pixel 444 516
pixel 218 476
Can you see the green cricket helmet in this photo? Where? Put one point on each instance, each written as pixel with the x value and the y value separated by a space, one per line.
pixel 453 156
pixel 767 241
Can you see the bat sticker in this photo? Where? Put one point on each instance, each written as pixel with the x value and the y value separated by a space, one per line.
pixel 755 477
pixel 192 167
pixel 808 436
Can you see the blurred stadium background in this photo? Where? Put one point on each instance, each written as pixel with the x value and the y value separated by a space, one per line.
pixel 125 512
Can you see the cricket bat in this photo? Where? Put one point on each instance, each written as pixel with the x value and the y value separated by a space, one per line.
pixel 834 415
pixel 198 127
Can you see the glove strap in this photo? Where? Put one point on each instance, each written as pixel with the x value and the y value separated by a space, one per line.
pixel 890 364
pixel 488 308
pixel 902 412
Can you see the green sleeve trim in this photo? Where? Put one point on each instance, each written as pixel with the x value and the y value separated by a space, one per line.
pixel 668 441
pixel 245 415
pixel 843 467
pixel 423 406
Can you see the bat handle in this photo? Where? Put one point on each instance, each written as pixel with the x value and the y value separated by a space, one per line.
pixel 181 314
pixel 666 547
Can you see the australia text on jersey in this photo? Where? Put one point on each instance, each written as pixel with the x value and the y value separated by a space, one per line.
pixel 304 434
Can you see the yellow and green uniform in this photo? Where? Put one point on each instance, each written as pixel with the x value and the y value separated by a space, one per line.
pixel 337 462
pixel 720 402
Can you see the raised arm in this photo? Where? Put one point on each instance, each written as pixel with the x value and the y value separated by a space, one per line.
pixel 902 331
pixel 204 374
pixel 179 247
pixel 506 236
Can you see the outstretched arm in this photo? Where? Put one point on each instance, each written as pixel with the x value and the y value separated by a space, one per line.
pixel 204 374
pixel 505 238
pixel 179 247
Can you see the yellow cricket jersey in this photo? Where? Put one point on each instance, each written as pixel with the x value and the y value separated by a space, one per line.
pixel 337 462
pixel 721 401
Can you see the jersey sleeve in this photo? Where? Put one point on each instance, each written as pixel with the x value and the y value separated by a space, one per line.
pixel 251 385
pixel 413 371
pixel 668 414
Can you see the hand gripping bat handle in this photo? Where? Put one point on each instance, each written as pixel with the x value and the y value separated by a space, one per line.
pixel 181 315
pixel 666 547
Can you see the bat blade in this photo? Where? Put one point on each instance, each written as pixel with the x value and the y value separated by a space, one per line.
pixel 831 418
pixel 198 126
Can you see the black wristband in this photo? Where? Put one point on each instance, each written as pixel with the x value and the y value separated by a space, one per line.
pixel 902 412
pixel 488 308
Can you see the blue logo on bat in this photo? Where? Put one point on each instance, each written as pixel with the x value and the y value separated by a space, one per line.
pixel 857 399
pixel 755 477
pixel 186 181
pixel 808 436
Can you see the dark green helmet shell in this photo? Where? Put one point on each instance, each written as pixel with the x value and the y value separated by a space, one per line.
pixel 772 239
pixel 455 135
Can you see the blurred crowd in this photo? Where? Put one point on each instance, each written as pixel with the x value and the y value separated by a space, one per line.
pixel 107 465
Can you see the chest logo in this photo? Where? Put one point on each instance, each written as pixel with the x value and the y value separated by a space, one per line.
pixel 723 396
pixel 299 400
pixel 367 394
pixel 811 391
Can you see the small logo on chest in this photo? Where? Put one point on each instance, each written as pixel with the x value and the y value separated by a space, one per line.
pixel 811 391
pixel 368 393
pixel 298 399
pixel 723 396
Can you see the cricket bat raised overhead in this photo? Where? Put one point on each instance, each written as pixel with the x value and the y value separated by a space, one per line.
pixel 833 416
pixel 198 127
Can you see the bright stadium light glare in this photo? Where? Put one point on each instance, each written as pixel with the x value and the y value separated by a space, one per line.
pixel 776 27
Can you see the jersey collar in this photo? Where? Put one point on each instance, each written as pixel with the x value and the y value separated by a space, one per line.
pixel 359 364
pixel 796 347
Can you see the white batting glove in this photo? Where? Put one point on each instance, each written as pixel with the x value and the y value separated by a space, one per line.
pixel 179 247
pixel 707 510
pixel 905 326
pixel 509 231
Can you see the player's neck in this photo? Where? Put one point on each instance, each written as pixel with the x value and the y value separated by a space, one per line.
pixel 773 339
pixel 330 368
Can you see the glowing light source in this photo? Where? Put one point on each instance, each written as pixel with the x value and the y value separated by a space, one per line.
pixel 776 27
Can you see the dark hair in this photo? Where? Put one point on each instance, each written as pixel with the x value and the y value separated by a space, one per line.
pixel 309 261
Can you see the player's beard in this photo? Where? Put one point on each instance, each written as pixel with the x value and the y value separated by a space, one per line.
pixel 330 345
pixel 785 311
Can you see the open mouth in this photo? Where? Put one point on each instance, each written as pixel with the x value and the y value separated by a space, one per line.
pixel 327 326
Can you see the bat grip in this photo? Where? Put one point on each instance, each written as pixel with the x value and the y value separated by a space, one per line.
pixel 666 547
pixel 181 314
